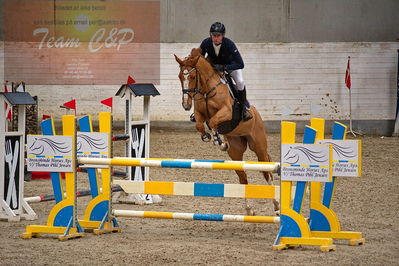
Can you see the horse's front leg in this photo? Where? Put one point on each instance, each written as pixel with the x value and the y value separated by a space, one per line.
pixel 220 116
pixel 199 125
pixel 217 140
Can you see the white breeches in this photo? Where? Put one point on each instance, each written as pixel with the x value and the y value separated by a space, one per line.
pixel 238 79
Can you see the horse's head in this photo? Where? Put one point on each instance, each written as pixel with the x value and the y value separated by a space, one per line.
pixel 188 76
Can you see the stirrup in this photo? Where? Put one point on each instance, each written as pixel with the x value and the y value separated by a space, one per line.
pixel 246 115
pixel 246 105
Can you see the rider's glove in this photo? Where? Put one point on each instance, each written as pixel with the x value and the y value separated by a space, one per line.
pixel 219 68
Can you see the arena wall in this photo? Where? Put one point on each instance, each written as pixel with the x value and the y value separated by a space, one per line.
pixel 295 55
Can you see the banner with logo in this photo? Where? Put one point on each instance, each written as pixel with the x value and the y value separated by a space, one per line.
pixel 81 42
pixel 306 162
pixel 49 153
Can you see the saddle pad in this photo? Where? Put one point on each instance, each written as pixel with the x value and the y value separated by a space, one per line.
pixel 228 86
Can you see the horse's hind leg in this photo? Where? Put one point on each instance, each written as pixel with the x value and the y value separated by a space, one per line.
pixel 259 146
pixel 238 146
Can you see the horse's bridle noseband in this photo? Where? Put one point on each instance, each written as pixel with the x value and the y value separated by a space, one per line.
pixel 194 90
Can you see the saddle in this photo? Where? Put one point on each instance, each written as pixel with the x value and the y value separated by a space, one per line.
pixel 228 126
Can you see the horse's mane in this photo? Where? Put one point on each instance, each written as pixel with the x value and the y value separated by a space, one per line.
pixel 196 52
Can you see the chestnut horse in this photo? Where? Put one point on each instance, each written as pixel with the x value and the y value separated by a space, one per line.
pixel 213 105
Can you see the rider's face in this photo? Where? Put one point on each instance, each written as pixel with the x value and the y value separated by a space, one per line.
pixel 217 38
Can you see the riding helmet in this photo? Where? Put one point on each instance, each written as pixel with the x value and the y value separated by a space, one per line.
pixel 217 28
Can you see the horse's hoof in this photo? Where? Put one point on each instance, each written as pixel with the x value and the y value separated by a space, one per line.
pixel 250 211
pixel 206 137
pixel 224 146
pixel 192 118
pixel 277 212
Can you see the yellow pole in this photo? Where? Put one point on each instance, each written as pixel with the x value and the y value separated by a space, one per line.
pixel 288 130
pixel 69 129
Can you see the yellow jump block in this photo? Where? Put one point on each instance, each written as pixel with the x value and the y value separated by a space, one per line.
pixel 36 230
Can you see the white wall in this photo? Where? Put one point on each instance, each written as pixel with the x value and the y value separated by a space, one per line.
pixel 292 81
pixel 307 79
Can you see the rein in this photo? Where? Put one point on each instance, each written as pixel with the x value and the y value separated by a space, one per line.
pixel 197 90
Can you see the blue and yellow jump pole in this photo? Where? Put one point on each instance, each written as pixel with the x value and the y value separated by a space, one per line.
pixel 294 229
pixel 97 215
pixel 199 190
pixel 62 218
pixel 188 164
pixel 323 220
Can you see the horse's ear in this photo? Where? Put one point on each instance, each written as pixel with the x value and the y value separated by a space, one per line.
pixel 178 60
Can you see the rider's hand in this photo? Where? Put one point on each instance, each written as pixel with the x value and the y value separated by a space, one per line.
pixel 219 68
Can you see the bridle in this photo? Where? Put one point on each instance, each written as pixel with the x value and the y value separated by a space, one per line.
pixel 197 89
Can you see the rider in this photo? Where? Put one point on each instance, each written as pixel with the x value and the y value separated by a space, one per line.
pixel 224 55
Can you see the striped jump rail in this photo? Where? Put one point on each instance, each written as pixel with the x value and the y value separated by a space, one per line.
pixel 197 216
pixel 189 164
pixel 200 189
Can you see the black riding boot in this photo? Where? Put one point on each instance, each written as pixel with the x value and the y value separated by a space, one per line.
pixel 242 98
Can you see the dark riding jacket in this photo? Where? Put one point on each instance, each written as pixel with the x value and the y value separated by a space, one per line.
pixel 228 54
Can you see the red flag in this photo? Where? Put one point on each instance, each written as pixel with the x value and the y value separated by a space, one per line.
pixel 107 102
pixel 348 74
pixel 44 117
pixel 130 80
pixel 9 114
pixel 70 104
